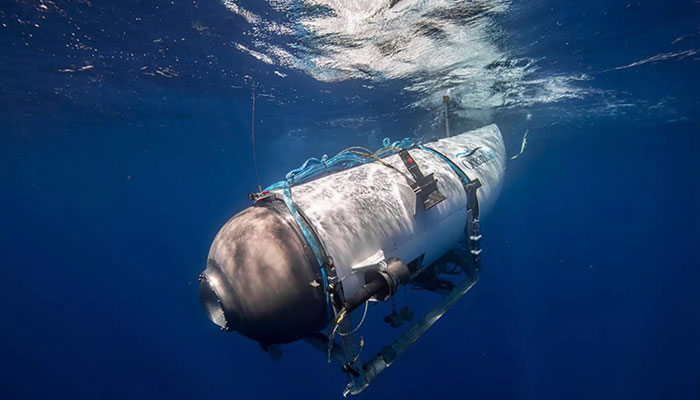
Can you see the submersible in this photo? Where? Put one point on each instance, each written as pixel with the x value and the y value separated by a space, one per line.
pixel 306 254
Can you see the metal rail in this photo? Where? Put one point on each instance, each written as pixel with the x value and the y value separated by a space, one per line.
pixel 389 354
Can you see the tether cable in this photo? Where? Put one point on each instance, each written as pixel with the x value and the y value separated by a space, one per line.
pixel 255 159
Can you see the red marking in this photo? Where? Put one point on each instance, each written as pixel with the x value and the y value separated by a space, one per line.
pixel 410 160
pixel 265 192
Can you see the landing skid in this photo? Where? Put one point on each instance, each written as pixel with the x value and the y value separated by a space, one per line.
pixel 347 352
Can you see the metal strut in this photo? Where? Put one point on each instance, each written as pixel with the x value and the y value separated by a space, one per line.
pixel 389 354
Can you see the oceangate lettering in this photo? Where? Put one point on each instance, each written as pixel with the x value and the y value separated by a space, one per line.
pixel 478 159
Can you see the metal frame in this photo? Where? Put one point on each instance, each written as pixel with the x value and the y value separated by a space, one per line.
pixel 346 353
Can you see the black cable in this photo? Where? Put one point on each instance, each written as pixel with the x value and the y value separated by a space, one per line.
pixel 255 159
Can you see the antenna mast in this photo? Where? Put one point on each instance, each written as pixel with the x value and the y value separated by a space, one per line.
pixel 446 101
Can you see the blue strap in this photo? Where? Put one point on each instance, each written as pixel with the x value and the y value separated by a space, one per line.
pixel 449 162
pixel 306 232
pixel 313 167
pixel 473 237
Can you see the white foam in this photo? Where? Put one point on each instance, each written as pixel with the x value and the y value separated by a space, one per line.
pixel 431 45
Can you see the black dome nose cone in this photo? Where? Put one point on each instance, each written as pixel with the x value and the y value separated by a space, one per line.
pixel 259 278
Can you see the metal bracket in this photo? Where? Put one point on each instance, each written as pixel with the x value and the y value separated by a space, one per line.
pixel 425 187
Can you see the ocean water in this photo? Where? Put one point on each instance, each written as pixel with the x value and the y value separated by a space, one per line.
pixel 125 144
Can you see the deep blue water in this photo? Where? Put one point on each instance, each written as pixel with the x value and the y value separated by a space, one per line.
pixel 125 145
